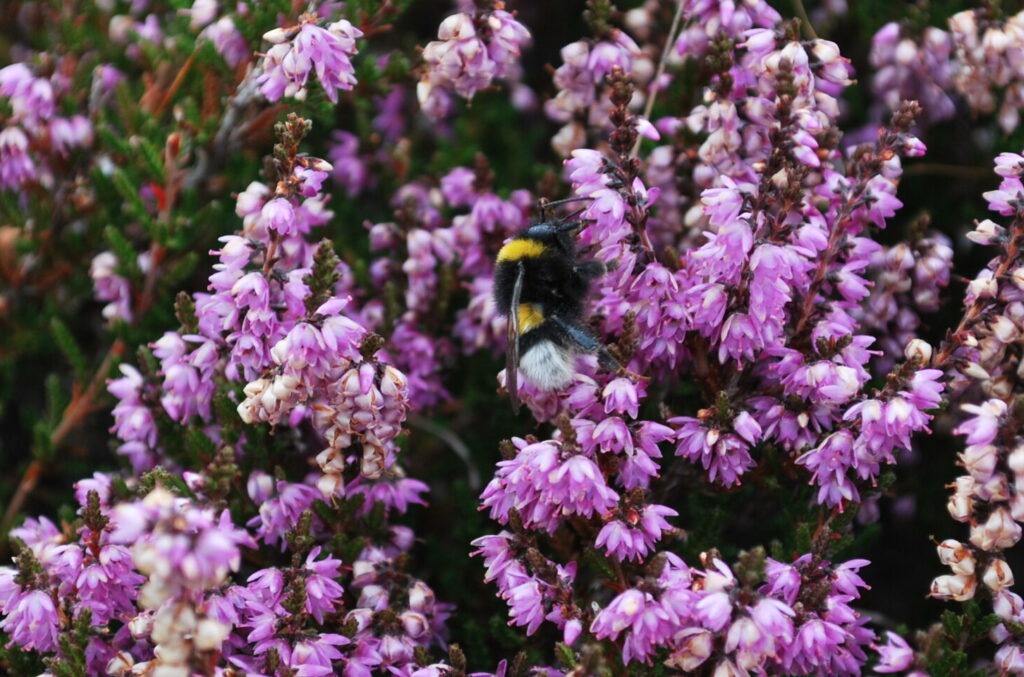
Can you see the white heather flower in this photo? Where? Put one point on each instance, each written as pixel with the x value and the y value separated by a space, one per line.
pixel 956 587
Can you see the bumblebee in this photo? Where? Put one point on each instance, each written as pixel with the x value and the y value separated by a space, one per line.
pixel 541 286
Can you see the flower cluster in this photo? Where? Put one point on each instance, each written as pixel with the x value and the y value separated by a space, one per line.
pixel 913 70
pixel 748 359
pixel 34 123
pixel 986 351
pixel 221 32
pixel 977 58
pixel 764 307
pixel 472 50
pixel 299 50
pixel 987 55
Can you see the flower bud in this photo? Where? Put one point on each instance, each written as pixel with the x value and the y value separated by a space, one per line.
pixel 919 351
pixel 260 486
pixel 985 232
pixel 456 27
pixel 999 532
pixel 120 664
pixel 694 647
pixel 141 626
pixel 975 371
pixel 960 507
pixel 959 587
pixel 998 575
pixel 1004 329
pixel 1017 275
pixel 414 623
pixel 980 460
pixel 1017 505
pixel 210 634
pixel 1007 605
pixel 956 556
pixel 331 484
pixel 277 35
pixel 726 668
pixel 1010 659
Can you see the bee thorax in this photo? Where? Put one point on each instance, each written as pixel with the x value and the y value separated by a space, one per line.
pixel 548 366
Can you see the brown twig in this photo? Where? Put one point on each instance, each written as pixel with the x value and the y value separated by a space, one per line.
pixel 175 85
pixel 977 307
pixel 652 93
pixel 805 20
pixel 82 404
pixel 956 171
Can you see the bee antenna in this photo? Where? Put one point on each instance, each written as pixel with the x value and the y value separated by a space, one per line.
pixel 546 206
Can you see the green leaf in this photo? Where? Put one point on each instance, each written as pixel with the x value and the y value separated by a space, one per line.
pixel 129 192
pixel 952 623
pixel 127 258
pixel 69 347
pixel 199 446
pixel 565 655
pixel 152 158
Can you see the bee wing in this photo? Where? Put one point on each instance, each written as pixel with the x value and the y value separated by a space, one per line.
pixel 512 346
pixel 586 342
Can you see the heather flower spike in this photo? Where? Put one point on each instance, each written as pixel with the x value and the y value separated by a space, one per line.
pixel 306 48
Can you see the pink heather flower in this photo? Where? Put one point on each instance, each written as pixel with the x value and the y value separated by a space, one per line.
pixel 350 169
pixel 525 602
pixel 16 165
pixel 895 655
pixel 829 464
pixel 322 591
pixel 633 539
pixel 133 421
pixel 68 133
pixel 621 614
pixel 279 515
pixel 227 40
pixel 914 70
pixel 544 488
pixel 288 63
pixel 32 621
pixel 622 396
pixel 984 425
pixel 111 287
pixel 471 52
pixel 279 216
pixel 725 456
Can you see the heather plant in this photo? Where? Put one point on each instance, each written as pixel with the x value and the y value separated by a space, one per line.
pixel 253 385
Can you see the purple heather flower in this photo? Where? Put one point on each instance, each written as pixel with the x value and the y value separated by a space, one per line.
pixel 111 287
pixel 544 488
pixel 633 539
pixel 16 165
pixel 228 41
pixel 31 621
pixel 322 591
pixel 471 52
pixel 725 456
pixel 295 53
pixel 895 655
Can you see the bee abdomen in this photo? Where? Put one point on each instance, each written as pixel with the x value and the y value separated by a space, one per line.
pixel 548 365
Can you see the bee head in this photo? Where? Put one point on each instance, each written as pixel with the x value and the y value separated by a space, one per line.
pixel 551 232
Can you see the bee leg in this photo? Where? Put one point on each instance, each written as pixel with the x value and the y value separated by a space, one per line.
pixel 589 270
pixel 586 342
pixel 605 359
pixel 582 338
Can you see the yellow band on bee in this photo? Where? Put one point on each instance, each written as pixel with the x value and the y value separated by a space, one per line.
pixel 521 249
pixel 530 317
